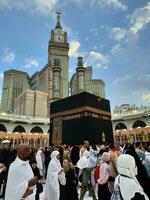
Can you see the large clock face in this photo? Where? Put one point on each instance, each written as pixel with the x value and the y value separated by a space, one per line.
pixel 59 37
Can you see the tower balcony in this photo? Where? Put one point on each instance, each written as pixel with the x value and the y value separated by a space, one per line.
pixel 56 68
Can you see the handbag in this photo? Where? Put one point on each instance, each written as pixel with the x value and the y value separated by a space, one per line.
pixel 62 178
pixel 116 195
pixel 39 187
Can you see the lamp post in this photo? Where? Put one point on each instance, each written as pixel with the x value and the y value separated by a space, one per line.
pixel 6 143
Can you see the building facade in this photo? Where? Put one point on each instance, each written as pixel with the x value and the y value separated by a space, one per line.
pixel 33 131
pixel 15 82
pixel 131 124
pixel 82 81
pixel 31 103
pixel 126 108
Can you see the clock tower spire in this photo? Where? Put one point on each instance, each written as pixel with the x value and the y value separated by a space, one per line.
pixel 58 59
pixel 58 25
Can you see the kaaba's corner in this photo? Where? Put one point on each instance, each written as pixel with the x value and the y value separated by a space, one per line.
pixel 80 117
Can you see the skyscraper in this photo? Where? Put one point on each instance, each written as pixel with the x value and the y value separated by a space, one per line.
pixel 14 83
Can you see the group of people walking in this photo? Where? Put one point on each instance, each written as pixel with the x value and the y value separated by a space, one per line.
pixel 106 172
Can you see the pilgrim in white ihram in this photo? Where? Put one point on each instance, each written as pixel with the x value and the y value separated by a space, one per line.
pixel 55 175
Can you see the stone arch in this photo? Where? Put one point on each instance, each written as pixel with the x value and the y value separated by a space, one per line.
pixel 36 129
pixel 3 128
pixel 19 129
pixel 120 126
pixel 139 123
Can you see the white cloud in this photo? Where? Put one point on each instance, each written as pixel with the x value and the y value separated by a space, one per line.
pixel 40 7
pixel 9 56
pixel 122 79
pixel 137 21
pixel 139 18
pixel 144 77
pixel 97 60
pixel 132 88
pixel 146 97
pixel 115 49
pixel 120 54
pixel 71 70
pixel 118 33
pixel 116 4
pixel 74 47
pixel 5 4
pixel 95 31
pixel 1 75
pixel 30 63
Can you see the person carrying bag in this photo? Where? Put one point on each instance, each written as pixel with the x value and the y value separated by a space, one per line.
pixel 126 185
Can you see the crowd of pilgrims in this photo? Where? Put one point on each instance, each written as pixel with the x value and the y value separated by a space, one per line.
pixel 106 172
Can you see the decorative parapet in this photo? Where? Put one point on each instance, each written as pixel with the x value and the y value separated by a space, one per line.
pixel 26 119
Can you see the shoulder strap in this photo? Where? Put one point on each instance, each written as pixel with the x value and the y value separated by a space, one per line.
pixel 119 187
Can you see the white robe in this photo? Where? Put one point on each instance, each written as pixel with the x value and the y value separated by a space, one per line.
pixel 19 175
pixel 53 178
pixel 40 162
pixel 129 187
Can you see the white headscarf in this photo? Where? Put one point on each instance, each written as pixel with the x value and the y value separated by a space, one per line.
pixel 128 183
pixel 105 157
pixel 54 165
pixel 54 154
pixel 127 166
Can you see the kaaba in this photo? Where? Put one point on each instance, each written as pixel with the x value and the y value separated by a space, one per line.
pixel 80 117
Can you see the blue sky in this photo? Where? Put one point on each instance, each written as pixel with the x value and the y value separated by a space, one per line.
pixel 111 35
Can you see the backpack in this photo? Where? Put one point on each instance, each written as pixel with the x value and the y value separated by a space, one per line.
pixel 96 173
pixel 116 195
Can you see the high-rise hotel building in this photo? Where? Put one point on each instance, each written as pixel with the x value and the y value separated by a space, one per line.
pixel 24 95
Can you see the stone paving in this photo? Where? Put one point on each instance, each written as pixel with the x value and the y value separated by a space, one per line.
pixel 85 198
pixel 42 197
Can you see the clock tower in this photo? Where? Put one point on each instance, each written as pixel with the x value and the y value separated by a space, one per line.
pixel 58 59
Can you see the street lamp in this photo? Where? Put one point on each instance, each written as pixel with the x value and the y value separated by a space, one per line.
pixel 6 143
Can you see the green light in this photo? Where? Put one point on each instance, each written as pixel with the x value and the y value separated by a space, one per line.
pixel 103 137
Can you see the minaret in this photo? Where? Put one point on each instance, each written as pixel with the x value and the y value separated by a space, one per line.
pixel 80 75
pixel 56 70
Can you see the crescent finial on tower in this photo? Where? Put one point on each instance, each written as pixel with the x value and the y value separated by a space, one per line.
pixel 58 25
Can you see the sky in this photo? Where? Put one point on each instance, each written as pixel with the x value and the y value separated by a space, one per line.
pixel 113 36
